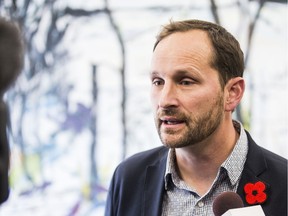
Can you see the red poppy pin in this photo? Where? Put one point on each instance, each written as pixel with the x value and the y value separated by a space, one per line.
pixel 255 193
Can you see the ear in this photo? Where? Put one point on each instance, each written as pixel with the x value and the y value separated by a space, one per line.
pixel 234 89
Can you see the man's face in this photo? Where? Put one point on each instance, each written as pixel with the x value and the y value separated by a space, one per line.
pixel 186 94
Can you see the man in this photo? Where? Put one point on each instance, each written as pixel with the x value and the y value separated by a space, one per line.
pixel 11 61
pixel 196 75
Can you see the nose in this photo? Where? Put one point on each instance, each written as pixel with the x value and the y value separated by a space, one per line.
pixel 168 96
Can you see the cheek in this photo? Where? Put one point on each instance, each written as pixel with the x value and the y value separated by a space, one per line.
pixel 191 104
pixel 199 102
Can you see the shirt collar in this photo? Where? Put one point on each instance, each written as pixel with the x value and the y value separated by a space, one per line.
pixel 234 164
pixel 170 167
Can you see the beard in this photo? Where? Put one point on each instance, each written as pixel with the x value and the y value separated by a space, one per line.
pixel 197 129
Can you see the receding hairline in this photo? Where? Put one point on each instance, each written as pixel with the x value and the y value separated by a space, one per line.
pixel 185 26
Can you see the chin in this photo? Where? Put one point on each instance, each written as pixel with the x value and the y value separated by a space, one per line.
pixel 173 143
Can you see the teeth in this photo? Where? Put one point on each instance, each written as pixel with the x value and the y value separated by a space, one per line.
pixel 170 122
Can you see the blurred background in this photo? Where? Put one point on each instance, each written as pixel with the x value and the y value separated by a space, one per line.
pixel 82 102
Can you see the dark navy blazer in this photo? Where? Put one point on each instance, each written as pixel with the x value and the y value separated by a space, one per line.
pixel 137 186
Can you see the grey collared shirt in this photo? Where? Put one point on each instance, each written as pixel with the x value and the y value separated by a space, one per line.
pixel 180 199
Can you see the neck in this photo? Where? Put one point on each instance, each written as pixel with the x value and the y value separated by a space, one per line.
pixel 206 156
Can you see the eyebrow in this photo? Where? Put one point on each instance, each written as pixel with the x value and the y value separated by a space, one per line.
pixel 154 73
pixel 180 72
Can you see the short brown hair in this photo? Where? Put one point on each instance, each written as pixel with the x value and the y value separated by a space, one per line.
pixel 228 58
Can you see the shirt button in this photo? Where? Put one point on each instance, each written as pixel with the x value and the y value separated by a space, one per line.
pixel 200 204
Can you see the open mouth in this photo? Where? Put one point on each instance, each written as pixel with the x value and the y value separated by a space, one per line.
pixel 171 121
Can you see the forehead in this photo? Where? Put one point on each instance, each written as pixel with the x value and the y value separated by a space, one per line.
pixel 190 42
pixel 189 48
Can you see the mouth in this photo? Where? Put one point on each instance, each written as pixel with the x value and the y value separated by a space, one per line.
pixel 171 121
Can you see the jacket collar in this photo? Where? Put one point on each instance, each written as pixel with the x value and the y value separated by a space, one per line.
pixel 254 166
pixel 154 186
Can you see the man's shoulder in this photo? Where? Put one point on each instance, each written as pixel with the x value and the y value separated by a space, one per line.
pixel 137 162
pixel 273 158
pixel 270 157
pixel 147 157
pixel 259 157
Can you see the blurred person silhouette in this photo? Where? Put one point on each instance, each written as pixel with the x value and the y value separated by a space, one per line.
pixel 197 82
pixel 11 62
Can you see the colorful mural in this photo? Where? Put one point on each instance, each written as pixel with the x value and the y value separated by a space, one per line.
pixel 81 104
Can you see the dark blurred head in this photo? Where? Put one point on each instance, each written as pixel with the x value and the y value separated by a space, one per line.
pixel 11 61
pixel 11 53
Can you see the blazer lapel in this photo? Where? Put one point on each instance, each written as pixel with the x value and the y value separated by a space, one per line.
pixel 154 187
pixel 255 165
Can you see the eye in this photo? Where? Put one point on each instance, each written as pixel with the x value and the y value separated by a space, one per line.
pixel 157 81
pixel 187 82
